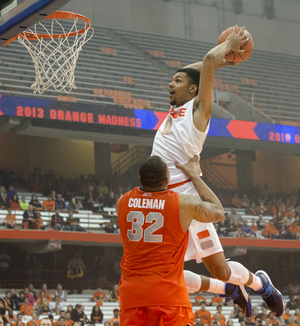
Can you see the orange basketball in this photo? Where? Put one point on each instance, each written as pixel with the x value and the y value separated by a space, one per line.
pixel 233 56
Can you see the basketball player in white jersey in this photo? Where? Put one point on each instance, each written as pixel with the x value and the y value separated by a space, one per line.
pixel 180 137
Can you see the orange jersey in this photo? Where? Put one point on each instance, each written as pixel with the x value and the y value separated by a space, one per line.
pixel 26 310
pixel 10 218
pixel 204 315
pixel 154 247
pixel 216 299
pixel 198 299
pixel 221 318
pixel 49 204
pixel 99 296
pixel 30 323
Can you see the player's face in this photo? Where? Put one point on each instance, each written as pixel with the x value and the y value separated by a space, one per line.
pixel 180 89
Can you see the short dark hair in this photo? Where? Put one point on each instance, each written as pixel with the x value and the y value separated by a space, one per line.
pixel 193 74
pixel 153 172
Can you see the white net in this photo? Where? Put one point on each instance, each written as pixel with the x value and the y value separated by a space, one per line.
pixel 55 58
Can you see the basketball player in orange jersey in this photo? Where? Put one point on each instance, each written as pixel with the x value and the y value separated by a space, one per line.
pixel 154 222
pixel 180 137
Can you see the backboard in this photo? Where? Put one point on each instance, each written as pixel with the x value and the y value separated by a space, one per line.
pixel 21 14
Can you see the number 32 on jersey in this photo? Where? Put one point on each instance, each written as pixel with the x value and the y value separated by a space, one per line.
pixel 136 233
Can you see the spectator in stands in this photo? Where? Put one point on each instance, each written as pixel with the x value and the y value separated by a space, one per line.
pixel 270 231
pixel 229 322
pixel 2 192
pixel 26 308
pixel 10 220
pixel 30 296
pixel 14 202
pixel 32 291
pixel 115 318
pixel 110 201
pixel 291 321
pixel 4 203
pixel 56 305
pixel 60 204
pixel 100 196
pixel 217 301
pixel 219 311
pixel 96 315
pixel 9 302
pixel 203 314
pixel 197 322
pixel 99 296
pixel 286 315
pixel 68 321
pixel 46 293
pixel 292 304
pixel 73 223
pixel 254 228
pixel 36 184
pixel 90 198
pixel 61 293
pixel 61 321
pixel 49 204
pixel 20 300
pixel 37 206
pixel 35 319
pixel 58 222
pixel 30 219
pixel 235 312
pixel 260 223
pixel 253 210
pixel 10 317
pixel 236 201
pixel 219 320
pixel 245 201
pixel 231 226
pixel 10 192
pixel 75 275
pixel 14 297
pixel 297 315
pixel 262 209
pixel 77 314
pixel 79 204
pixel 247 229
pixel 249 322
pixel 43 308
pixel 73 207
pixel 234 215
pixel 70 308
pixel 42 296
pixel 294 231
pixel 199 298
pixel 114 294
pixel 222 228
pixel 23 204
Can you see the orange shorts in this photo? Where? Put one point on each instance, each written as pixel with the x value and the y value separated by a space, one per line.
pixel 157 316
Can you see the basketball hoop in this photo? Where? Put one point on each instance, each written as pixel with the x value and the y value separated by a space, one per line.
pixel 55 54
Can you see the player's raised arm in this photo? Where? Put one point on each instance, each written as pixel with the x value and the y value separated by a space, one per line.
pixel 206 209
pixel 203 103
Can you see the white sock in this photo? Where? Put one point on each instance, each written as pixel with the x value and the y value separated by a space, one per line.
pixel 192 281
pixel 256 285
pixel 216 286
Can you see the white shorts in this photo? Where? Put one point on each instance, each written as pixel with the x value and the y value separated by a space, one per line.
pixel 203 238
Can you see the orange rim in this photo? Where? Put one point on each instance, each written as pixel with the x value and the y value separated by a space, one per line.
pixel 58 15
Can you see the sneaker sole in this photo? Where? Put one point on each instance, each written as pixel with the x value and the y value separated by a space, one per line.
pixel 268 278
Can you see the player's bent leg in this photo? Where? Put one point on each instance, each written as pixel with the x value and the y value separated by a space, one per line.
pixel 231 272
pixel 133 316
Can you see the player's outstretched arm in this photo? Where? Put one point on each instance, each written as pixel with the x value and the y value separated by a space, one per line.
pixel 203 103
pixel 192 207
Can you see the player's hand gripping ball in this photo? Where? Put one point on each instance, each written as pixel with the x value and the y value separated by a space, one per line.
pixel 235 57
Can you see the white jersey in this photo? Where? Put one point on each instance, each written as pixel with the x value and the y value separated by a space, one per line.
pixel 178 140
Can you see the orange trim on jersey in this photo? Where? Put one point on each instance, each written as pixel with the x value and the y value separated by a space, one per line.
pixel 175 185
pixel 203 234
